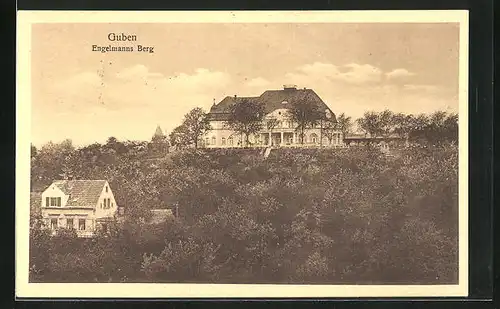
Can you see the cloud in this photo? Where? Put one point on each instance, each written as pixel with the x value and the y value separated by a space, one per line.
pixel 127 103
pixel 258 82
pixel 398 73
pixel 352 73
pixel 130 102
pixel 137 72
pixel 415 87
pixel 361 73
pixel 356 88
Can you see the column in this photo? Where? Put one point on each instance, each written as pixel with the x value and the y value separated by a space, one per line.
pixel 269 142
pixel 294 138
pixel 281 142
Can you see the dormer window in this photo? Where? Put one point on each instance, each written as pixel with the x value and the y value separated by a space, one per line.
pixel 53 202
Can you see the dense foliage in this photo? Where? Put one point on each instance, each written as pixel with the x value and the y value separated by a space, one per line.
pixel 303 216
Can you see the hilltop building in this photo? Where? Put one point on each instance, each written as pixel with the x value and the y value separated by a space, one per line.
pixel 277 104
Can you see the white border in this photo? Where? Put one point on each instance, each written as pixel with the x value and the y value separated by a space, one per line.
pixel 156 290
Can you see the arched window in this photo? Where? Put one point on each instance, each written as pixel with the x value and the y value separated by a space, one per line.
pixel 213 140
pixel 223 141
pixel 313 138
pixel 230 141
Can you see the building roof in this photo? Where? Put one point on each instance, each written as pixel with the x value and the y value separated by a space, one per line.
pixel 160 215
pixel 272 100
pixel 81 193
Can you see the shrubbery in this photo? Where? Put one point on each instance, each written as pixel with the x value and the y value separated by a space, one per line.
pixel 299 216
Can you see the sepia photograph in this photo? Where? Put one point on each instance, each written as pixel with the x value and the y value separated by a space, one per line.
pixel 242 151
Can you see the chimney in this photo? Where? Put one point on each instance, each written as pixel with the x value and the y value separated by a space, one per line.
pixel 214 102
pixel 235 96
pixel 290 87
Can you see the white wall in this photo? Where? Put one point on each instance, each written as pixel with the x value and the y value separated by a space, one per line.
pixel 219 131
pixel 54 191
pixel 62 214
pixel 101 212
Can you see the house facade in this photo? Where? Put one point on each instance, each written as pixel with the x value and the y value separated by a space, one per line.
pixel 82 205
pixel 278 129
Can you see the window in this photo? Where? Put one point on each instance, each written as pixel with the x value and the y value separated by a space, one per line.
pixel 54 201
pixel 47 202
pixel 207 141
pixel 223 141
pixel 81 224
pixel 314 138
pixel 53 223
pixel 213 140
pixel 109 202
pixel 69 224
pixel 106 188
pixel 230 141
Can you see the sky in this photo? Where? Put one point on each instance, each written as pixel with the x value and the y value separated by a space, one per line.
pixel 89 96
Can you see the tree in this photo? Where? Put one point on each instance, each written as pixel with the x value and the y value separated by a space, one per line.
pixel 34 151
pixel 271 123
pixel 329 129
pixel 305 114
pixel 195 125
pixel 369 123
pixel 179 137
pixel 385 122
pixel 246 118
pixel 344 124
pixel 377 124
pixel 404 125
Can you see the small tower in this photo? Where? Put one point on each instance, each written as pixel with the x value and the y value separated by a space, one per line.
pixel 158 135
pixel 159 140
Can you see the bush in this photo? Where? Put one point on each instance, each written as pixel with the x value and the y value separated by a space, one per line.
pixel 300 216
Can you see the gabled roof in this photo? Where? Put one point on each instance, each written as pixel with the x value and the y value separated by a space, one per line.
pixel 82 193
pixel 272 100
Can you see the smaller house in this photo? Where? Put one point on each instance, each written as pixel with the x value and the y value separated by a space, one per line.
pixel 160 215
pixel 82 205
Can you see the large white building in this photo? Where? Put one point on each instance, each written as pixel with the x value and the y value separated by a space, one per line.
pixel 277 104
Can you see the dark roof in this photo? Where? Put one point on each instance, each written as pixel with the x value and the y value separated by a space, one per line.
pixel 221 110
pixel 82 193
pixel 272 100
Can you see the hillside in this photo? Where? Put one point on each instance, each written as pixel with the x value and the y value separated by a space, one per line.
pixel 299 216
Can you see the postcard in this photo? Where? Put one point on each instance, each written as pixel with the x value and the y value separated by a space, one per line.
pixel 249 154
